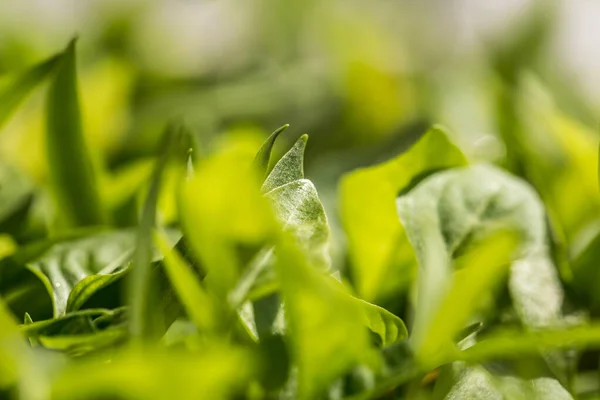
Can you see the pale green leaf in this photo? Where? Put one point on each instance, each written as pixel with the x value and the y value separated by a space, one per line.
pixel 477 274
pixel 327 339
pixel 448 212
pixel 290 167
pixel 218 373
pixel 199 304
pixel 382 260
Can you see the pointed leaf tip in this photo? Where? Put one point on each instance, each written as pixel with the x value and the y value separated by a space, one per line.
pixel 289 168
pixel 263 157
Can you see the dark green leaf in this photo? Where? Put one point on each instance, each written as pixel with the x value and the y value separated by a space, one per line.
pixel 67 268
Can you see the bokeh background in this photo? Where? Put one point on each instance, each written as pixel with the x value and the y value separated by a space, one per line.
pixel 363 78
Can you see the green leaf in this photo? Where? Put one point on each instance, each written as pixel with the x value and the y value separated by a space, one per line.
pixel 224 212
pixel 383 323
pixel 513 343
pixel 300 212
pixel 13 349
pixel 143 283
pixel 561 158
pixel 16 195
pixel 218 372
pixel 263 157
pixel 382 260
pixel 448 212
pixel 478 383
pixel 80 332
pixel 14 93
pixel 71 269
pixel 327 339
pixel 290 167
pixel 477 274
pixel 72 174
pixel 199 304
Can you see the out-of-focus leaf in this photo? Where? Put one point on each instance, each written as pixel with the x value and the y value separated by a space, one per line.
pixel 225 211
pixel 478 273
pixel 16 194
pixel 383 323
pixel 327 339
pixel 511 343
pixel 75 189
pixel 14 93
pixel 263 157
pixel 143 284
pixel 478 383
pixel 13 348
pixel 561 160
pixel 218 373
pixel 382 259
pixel 586 274
pixel 80 332
pixel 448 212
pixel 200 305
pixel 67 268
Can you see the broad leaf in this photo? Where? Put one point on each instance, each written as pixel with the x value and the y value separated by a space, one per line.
pixel 77 197
pixel 446 213
pixel 66 267
pixel 382 260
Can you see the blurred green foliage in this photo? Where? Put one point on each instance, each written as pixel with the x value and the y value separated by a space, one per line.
pixel 155 242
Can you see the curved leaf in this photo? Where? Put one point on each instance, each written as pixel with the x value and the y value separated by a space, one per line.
pixel 448 212
pixel 383 323
pixel 67 263
pixel 263 157
pixel 382 260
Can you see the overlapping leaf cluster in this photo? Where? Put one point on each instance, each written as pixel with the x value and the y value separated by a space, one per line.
pixel 238 296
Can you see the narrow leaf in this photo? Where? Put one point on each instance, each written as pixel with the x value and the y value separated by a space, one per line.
pixel 71 169
pixel 12 95
pixel 197 302
pixel 141 289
